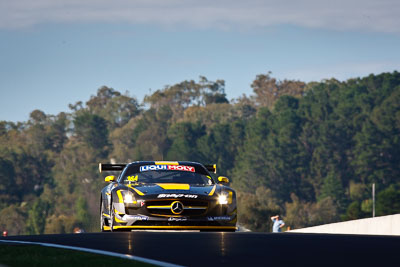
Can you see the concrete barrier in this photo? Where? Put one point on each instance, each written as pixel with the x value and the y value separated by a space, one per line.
pixel 384 225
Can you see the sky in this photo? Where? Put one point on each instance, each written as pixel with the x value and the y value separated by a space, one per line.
pixel 56 52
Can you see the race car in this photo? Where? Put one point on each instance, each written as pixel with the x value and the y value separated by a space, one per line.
pixel 166 195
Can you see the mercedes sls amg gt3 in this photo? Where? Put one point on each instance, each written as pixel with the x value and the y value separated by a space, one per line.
pixel 166 195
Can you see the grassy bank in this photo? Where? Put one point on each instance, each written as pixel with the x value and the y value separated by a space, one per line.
pixel 29 255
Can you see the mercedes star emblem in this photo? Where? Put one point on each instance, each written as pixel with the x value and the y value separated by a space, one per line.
pixel 177 207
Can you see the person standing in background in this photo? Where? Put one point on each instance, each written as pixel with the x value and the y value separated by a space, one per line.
pixel 278 224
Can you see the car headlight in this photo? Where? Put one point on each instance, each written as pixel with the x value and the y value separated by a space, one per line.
pixel 223 199
pixel 128 196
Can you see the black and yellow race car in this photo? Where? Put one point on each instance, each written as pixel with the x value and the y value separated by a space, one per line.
pixel 166 195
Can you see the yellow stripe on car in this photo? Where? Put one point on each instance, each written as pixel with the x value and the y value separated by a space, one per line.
pixel 159 207
pixel 121 199
pixel 174 186
pixel 169 206
pixel 136 190
pixel 212 191
pixel 117 212
pixel 118 220
pixel 166 163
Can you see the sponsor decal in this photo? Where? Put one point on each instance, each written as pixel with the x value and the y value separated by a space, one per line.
pixel 132 178
pixel 219 218
pixel 177 219
pixel 180 168
pixel 153 168
pixel 166 167
pixel 138 217
pixel 176 196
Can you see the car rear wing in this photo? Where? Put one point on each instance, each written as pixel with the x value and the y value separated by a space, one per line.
pixel 103 167
pixel 211 167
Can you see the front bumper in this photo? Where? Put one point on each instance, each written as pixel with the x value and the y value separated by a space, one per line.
pixel 210 223
pixel 199 214
pixel 172 227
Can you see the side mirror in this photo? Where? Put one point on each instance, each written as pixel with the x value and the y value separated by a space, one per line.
pixel 110 178
pixel 223 179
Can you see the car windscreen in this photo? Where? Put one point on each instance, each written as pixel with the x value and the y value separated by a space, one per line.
pixel 152 174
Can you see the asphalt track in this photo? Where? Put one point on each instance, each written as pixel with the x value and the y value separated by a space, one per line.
pixel 239 249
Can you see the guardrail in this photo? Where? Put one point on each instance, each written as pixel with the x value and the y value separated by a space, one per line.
pixel 384 225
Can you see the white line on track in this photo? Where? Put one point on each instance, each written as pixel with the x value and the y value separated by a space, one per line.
pixel 107 253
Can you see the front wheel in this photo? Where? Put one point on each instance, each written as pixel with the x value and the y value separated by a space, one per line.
pixel 102 224
pixel 112 215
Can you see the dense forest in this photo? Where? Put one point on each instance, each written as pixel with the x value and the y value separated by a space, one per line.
pixel 308 151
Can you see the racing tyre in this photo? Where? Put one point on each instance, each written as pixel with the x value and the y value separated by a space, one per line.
pixel 102 218
pixel 112 215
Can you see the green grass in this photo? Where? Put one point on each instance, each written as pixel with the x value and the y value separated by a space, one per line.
pixel 30 255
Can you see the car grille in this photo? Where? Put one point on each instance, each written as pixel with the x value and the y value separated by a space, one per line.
pixel 163 207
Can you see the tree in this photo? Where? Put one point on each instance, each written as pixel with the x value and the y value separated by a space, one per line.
pixel 57 132
pixel 37 217
pixel 82 214
pixel 354 211
pixel 184 138
pixel 303 214
pixel 388 201
pixel 183 95
pixel 7 182
pixel 13 219
pixel 250 169
pixel 92 129
pixel 332 187
pixel 268 89
pixel 116 108
pixel 257 208
pixel 212 92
